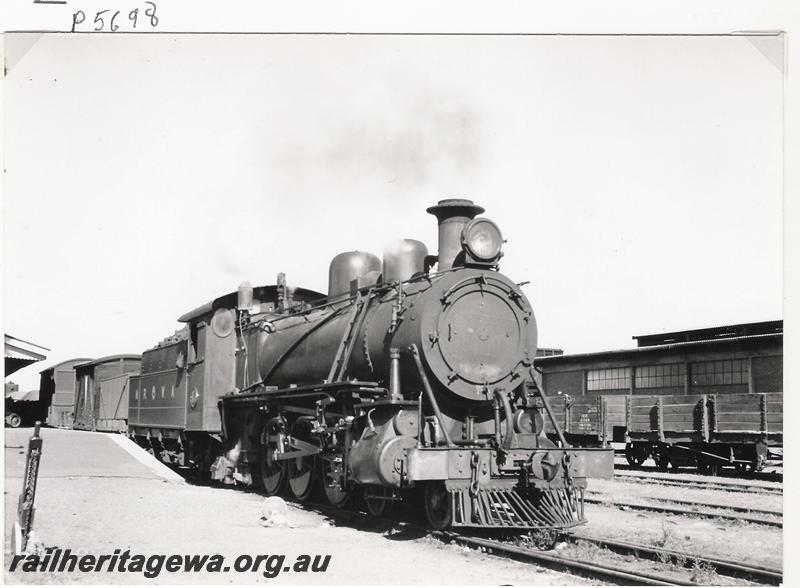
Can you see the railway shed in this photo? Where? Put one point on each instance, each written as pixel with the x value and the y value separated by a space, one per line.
pixel 57 390
pixel 593 392
pixel 101 392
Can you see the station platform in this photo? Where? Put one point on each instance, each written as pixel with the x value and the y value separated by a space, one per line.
pixel 83 454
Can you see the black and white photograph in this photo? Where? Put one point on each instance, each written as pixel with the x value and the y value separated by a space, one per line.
pixel 392 307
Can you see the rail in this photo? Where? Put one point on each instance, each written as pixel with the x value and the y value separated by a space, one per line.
pixel 705 484
pixel 760 574
pixel 605 573
pixel 687 511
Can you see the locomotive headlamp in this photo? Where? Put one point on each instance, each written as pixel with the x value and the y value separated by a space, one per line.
pixel 481 240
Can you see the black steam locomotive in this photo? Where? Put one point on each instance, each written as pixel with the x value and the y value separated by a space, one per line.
pixel 401 384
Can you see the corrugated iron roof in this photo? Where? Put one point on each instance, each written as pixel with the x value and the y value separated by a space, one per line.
pixel 21 349
pixel 708 333
pixel 21 353
pixel 655 348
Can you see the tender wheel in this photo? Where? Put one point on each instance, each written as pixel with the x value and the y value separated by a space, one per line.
pixel 438 506
pixel 14 420
pixel 331 483
pixel 273 474
pixel 374 498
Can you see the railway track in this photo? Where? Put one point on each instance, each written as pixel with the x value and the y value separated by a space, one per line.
pixel 700 484
pixel 605 572
pixel 694 503
pixel 743 509
pixel 724 475
pixel 698 511
pixel 759 574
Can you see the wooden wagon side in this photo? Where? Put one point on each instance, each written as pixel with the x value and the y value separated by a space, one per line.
pixel 583 419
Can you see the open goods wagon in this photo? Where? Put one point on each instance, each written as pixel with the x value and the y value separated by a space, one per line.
pixel 704 430
pixel 588 421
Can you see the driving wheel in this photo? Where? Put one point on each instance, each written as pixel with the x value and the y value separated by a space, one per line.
pixel 273 473
pixel 301 470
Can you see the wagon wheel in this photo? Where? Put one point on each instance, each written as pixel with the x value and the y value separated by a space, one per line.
pixel 301 470
pixel 662 460
pixel 438 506
pixel 745 467
pixel 14 420
pixel 332 480
pixel 635 454
pixel 375 500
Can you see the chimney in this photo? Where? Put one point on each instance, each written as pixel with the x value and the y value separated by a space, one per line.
pixel 452 214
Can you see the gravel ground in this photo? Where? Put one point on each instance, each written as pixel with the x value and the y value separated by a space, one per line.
pixel 731 540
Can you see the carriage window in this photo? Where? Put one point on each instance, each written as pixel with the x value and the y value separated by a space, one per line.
pixel 660 376
pixel 609 379
pixel 718 373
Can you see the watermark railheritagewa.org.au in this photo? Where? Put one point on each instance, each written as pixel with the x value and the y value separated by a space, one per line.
pixel 57 560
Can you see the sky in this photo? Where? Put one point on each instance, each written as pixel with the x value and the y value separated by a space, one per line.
pixel 636 179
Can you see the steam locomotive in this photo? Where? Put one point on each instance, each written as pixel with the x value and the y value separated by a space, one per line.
pixel 402 384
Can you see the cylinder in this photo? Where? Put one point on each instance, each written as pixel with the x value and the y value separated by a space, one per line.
pixel 349 266
pixel 402 259
pixel 452 214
